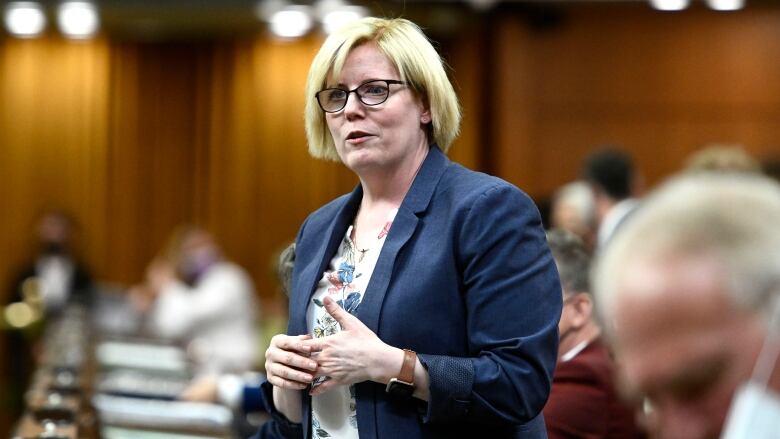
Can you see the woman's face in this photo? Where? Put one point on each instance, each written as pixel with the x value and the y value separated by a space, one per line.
pixel 379 137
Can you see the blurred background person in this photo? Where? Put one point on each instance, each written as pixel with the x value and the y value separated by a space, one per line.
pixel 241 392
pixel 611 176
pixel 722 158
pixel 53 279
pixel 584 401
pixel 573 209
pixel 195 296
pixel 688 288
pixel 60 277
pixel 771 166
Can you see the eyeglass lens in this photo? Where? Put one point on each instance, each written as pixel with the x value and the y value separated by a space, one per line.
pixel 370 93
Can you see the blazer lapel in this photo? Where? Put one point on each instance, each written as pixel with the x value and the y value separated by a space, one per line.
pixel 323 254
pixel 404 225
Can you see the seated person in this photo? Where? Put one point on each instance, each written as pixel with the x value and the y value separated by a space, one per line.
pixel 583 401
pixel 53 279
pixel 195 296
pixel 241 392
pixel 574 209
pixel 691 289
pixel 61 277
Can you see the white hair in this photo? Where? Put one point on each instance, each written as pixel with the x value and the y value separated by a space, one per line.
pixel 579 196
pixel 734 219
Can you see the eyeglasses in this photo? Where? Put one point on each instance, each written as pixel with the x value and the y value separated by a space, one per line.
pixel 373 92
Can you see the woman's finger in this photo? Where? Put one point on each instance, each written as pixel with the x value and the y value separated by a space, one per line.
pixel 291 374
pixel 291 359
pixel 286 384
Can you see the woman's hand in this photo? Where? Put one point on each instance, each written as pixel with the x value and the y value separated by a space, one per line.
pixel 354 354
pixel 203 389
pixel 287 362
pixel 159 274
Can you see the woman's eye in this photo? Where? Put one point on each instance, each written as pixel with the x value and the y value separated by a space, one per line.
pixel 337 95
pixel 376 90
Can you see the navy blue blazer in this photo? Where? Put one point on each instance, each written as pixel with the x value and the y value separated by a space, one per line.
pixel 465 279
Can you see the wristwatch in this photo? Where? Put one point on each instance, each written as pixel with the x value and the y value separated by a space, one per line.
pixel 403 384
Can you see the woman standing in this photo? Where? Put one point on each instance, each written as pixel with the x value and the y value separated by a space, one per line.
pixel 425 303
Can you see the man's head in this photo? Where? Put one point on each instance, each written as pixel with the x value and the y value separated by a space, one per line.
pixel 610 173
pixel 577 323
pixel 54 232
pixel 573 209
pixel 685 289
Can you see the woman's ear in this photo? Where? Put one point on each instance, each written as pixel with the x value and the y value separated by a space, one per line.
pixel 425 117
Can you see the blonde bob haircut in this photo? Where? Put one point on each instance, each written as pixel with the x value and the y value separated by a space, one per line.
pixel 418 64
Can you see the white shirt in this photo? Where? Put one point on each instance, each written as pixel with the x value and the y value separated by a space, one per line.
pixel 54 274
pixel 334 413
pixel 613 218
pixel 216 318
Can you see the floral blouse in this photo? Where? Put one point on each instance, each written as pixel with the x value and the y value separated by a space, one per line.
pixel 334 413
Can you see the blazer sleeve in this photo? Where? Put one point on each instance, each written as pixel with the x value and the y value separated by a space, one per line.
pixel 278 427
pixel 513 302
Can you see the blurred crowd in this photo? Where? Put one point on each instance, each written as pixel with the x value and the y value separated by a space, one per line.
pixel 670 319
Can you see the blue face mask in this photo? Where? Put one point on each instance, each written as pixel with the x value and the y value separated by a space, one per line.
pixel 755 409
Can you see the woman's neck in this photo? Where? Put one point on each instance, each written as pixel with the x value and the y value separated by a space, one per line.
pixel 386 189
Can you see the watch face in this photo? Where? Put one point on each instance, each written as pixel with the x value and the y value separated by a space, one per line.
pixel 399 388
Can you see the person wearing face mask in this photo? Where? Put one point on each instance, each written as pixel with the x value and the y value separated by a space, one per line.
pixel 689 289
pixel 60 277
pixel 193 295
pixel 54 279
pixel 584 401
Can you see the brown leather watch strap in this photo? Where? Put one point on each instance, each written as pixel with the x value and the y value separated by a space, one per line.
pixel 407 368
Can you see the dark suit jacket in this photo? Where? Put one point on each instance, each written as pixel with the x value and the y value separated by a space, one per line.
pixel 465 278
pixel 583 403
pixel 79 289
pixel 21 364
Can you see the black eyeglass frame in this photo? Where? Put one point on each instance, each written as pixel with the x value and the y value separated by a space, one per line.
pixel 388 82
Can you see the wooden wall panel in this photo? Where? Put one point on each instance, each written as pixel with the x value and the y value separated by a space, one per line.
pixel 53 106
pixel 263 183
pixel 661 85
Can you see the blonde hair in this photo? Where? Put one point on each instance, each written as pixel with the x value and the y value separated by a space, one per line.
pixel 418 63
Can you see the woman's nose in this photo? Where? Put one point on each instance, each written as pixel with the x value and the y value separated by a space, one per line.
pixel 354 106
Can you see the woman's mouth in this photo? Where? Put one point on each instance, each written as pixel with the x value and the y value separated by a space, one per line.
pixel 357 137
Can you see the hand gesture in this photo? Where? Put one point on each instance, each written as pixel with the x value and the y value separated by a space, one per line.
pixel 287 362
pixel 353 355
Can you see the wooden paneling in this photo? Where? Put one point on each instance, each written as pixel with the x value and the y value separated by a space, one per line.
pixel 53 136
pixel 659 84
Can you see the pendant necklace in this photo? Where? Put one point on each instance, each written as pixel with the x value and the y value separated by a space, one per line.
pixel 362 253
